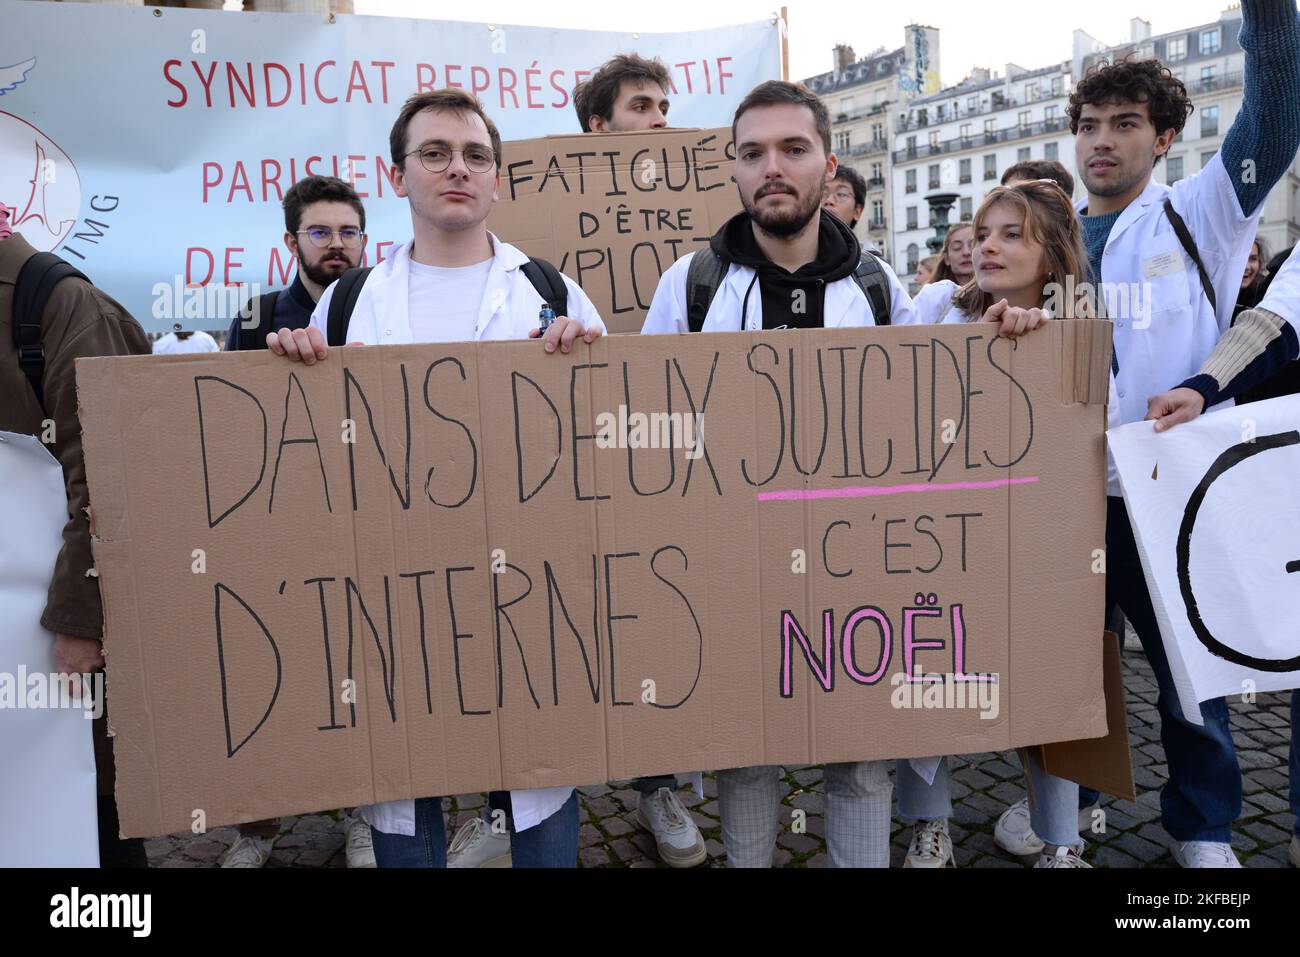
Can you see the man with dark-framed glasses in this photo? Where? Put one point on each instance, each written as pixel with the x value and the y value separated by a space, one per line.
pixel 325 229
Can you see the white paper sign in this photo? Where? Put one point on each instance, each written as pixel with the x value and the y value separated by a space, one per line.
pixel 47 760
pixel 1215 507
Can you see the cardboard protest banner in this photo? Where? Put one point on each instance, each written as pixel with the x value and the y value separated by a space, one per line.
pixel 442 568
pixel 1102 764
pixel 1215 510
pixel 614 210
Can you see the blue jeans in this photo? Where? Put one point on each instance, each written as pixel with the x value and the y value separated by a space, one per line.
pixel 552 843
pixel 1203 795
pixel 1053 812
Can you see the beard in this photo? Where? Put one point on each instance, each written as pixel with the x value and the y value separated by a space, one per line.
pixel 1116 187
pixel 325 271
pixel 783 224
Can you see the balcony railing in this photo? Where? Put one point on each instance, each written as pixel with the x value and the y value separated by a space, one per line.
pixel 876 182
pixel 869 147
pixel 1208 85
pixel 958 143
pixel 876 109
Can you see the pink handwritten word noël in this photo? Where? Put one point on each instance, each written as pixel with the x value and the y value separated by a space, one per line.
pixel 861 491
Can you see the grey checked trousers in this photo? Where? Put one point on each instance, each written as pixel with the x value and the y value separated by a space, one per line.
pixel 857 814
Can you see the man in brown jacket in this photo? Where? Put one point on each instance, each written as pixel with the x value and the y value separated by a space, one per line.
pixel 78 320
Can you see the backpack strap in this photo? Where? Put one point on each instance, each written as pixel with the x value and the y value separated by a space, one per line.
pixel 36 281
pixel 870 277
pixel 264 306
pixel 548 282
pixel 1189 246
pixel 703 277
pixel 342 302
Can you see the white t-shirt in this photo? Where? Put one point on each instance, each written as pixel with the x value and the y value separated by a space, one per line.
pixel 443 302
pixel 169 345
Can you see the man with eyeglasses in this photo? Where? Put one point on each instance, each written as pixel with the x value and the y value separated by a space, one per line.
pixel 325 229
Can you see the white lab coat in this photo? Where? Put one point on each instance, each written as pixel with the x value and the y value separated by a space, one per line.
pixel 1167 343
pixel 934 303
pixel 1283 296
pixel 846 305
pixel 509 311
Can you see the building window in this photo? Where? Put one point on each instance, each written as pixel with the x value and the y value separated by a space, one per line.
pixel 934 139
pixel 1052 113
pixel 1207 73
pixel 991 166
pixel 912 260
pixel 1210 121
pixel 846 105
pixel 1049 151
pixel 1173 169
pixel 842 141
pixel 911 146
pixel 1206 156
pixel 1058 86
pixel 1031 91
pixel 963 170
pixel 972 104
pixel 877 214
pixel 911 219
pixel 965 131
pixel 1176 49
pixel 909 179
pixel 965 209
pixel 1022 154
pixel 877 133
pixel 934 175
pixel 990 127
pixel 876 172
pixel 1210 41
pixel 941 113
pixel 1024 119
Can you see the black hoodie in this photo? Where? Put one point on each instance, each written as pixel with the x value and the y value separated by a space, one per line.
pixel 783 306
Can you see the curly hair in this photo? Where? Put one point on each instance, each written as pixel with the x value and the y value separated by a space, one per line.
pixel 1133 81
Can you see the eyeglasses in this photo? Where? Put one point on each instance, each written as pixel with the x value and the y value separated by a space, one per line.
pixel 322 236
pixel 478 159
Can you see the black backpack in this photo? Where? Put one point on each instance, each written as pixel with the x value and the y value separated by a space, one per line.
pixel 264 305
pixel 546 279
pixel 704 276
pixel 36 281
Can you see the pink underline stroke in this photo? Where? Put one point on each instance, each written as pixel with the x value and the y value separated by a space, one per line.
pixel 862 491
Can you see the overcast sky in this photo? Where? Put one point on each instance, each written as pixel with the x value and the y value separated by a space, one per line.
pixel 971 33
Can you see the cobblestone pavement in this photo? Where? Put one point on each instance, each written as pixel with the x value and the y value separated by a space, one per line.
pixel 982 787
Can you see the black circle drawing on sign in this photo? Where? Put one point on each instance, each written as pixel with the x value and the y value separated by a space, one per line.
pixel 1226 460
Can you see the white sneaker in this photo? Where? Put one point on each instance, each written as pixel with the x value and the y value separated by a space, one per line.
pixel 1063 856
pixel 1294 851
pixel 248 851
pixel 476 846
pixel 1013 832
pixel 360 849
pixel 676 836
pixel 1205 854
pixel 931 845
